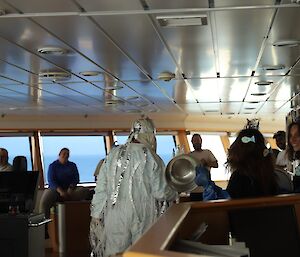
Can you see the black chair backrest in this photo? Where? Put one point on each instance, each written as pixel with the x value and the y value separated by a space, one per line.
pixel 20 164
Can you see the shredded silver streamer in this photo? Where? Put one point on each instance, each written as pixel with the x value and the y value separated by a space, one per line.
pixel 124 165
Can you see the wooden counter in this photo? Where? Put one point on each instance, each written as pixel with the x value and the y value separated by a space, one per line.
pixel 181 220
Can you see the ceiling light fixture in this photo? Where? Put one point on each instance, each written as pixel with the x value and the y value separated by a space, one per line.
pixel 166 76
pixel 249 108
pixel 55 75
pixel 211 111
pixel 258 94
pixel 53 50
pixel 182 20
pixel 263 83
pixel 132 98
pixel 272 67
pixel 89 73
pixel 287 43
pixel 113 87
pixel 113 102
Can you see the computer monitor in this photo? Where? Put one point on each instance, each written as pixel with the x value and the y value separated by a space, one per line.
pixel 18 189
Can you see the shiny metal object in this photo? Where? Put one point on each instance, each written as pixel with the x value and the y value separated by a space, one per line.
pixel 180 173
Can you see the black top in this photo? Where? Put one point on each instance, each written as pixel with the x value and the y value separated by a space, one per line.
pixel 242 186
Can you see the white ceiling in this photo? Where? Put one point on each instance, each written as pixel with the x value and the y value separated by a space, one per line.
pixel 216 65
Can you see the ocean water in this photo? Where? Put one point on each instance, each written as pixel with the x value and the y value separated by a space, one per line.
pixel 86 165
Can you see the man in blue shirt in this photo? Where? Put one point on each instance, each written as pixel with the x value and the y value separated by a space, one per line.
pixel 63 177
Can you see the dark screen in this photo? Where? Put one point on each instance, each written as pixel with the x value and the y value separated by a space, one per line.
pixel 18 189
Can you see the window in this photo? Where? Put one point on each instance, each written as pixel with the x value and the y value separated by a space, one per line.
pixel 165 145
pixel 214 144
pixel 17 146
pixel 85 151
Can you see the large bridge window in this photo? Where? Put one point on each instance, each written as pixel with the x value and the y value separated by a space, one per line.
pixel 213 143
pixel 17 145
pixel 165 145
pixel 85 151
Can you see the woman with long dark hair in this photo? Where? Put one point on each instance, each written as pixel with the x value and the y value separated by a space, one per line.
pixel 251 165
pixel 293 150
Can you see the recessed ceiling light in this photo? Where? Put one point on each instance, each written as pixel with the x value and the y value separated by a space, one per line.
pixel 113 87
pixel 166 76
pixel 55 75
pixel 263 83
pixel 53 50
pixel 131 98
pixel 113 102
pixel 182 20
pixel 272 67
pixel 258 94
pixel 287 43
pixel 211 111
pixel 89 73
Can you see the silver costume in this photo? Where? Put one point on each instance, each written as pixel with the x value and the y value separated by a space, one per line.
pixel 130 189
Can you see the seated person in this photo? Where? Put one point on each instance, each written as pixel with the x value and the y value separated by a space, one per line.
pixel 4 164
pixel 63 177
pixel 252 168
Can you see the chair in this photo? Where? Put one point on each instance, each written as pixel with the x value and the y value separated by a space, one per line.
pixel 20 164
pixel 284 182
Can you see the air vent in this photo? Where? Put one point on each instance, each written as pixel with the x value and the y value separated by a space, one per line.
pixel 52 50
pixel 55 75
pixel 182 20
pixel 272 67
pixel 264 83
pixel 89 73
pixel 258 94
pixel 287 43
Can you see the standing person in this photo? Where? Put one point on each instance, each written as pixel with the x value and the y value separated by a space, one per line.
pixel 63 178
pixel 131 186
pixel 282 157
pixel 4 164
pixel 252 168
pixel 293 150
pixel 203 156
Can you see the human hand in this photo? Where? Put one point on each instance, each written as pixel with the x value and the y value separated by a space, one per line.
pixel 64 195
pixel 202 176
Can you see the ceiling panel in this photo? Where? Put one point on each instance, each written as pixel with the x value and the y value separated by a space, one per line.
pixel 137 37
pixel 233 89
pixel 231 108
pixel 30 6
pixel 286 21
pixel 239 38
pixel 287 89
pixel 178 90
pixel 204 90
pixel 275 107
pixel 81 34
pixel 194 54
pixel 110 5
